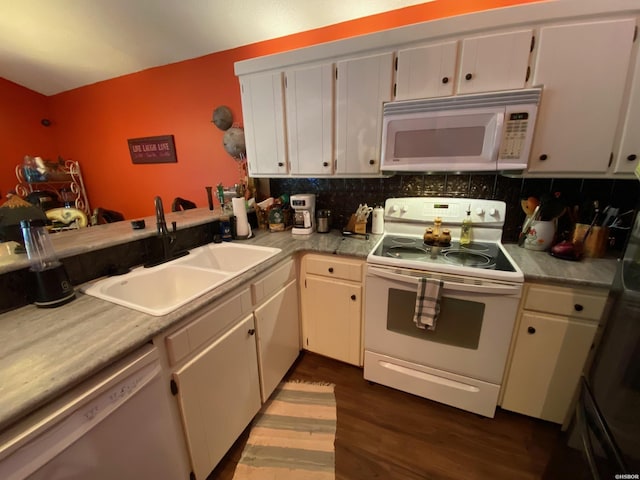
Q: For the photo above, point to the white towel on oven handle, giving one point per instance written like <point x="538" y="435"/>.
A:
<point x="427" y="303"/>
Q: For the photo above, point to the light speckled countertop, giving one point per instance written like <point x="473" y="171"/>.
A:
<point x="47" y="351"/>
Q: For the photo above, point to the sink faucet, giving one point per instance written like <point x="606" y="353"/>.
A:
<point x="161" y="223"/>
<point x="166" y="238"/>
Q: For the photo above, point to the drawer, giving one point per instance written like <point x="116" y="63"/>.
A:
<point x="208" y="326"/>
<point x="273" y="281"/>
<point x="585" y="303"/>
<point x="335" y="267"/>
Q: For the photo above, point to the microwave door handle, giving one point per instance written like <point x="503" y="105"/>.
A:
<point x="497" y="141"/>
<point x="489" y="289"/>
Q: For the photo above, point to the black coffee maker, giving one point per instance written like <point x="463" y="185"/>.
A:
<point x="49" y="283"/>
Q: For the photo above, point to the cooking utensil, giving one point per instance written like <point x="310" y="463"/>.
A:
<point x="362" y="214"/>
<point x="527" y="225"/>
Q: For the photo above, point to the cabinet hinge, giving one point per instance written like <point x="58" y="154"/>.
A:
<point x="336" y="73"/>
<point x="285" y="81"/>
<point x="610" y="160"/>
<point x="307" y="341"/>
<point x="305" y="283"/>
<point x="395" y="89"/>
<point x="526" y="79"/>
<point x="635" y="33"/>
<point x="396" y="64"/>
<point x="533" y="43"/>
<point x="174" y="387"/>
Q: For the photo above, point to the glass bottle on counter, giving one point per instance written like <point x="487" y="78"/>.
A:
<point x="465" y="230"/>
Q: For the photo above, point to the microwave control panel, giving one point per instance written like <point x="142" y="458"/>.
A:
<point x="515" y="134"/>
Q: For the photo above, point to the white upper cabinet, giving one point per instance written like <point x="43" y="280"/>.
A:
<point x="494" y="62"/>
<point x="627" y="150"/>
<point x="583" y="70"/>
<point x="424" y="72"/>
<point x="309" y="106"/>
<point x="363" y="84"/>
<point x="263" y="114"/>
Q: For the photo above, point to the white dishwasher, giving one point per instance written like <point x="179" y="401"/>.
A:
<point x="117" y="425"/>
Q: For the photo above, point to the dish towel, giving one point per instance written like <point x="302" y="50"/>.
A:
<point x="427" y="303"/>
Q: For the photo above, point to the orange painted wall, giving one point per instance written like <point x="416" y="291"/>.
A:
<point x="21" y="133"/>
<point x="92" y="123"/>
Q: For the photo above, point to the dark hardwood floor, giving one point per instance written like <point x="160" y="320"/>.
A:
<point x="386" y="434"/>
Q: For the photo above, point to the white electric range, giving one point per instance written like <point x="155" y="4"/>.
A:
<point x="462" y="361"/>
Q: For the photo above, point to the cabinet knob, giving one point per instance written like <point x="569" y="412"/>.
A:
<point x="280" y="164"/>
<point x="372" y="162"/>
<point x="468" y="76"/>
<point x="578" y="307"/>
<point x="543" y="157"/>
<point x="251" y="331"/>
<point x="353" y="297"/>
<point x="445" y="79"/>
<point x="531" y="330"/>
<point x="632" y="157"/>
<point x="330" y="269"/>
<point x="325" y="164"/>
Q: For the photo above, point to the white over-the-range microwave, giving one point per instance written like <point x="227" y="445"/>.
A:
<point x="475" y="132"/>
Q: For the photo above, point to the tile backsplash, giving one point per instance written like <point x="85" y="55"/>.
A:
<point x="343" y="196"/>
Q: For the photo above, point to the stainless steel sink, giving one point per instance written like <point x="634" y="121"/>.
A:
<point x="162" y="289"/>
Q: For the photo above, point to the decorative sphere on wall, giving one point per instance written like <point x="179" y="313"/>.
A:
<point x="222" y="118"/>
<point x="233" y="142"/>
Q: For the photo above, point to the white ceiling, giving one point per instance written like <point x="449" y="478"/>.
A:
<point x="51" y="46"/>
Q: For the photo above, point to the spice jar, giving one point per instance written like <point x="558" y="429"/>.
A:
<point x="445" y="238"/>
<point x="428" y="236"/>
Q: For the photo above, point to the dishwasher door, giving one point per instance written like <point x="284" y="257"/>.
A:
<point x="116" y="425"/>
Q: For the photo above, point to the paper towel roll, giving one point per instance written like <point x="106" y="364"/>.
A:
<point x="240" y="211"/>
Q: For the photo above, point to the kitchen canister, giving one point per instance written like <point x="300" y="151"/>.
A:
<point x="377" y="222"/>
<point x="323" y="221"/>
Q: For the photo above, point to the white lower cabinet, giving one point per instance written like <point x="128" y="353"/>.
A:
<point x="218" y="393"/>
<point x="555" y="330"/>
<point x="225" y="362"/>
<point x="278" y="330"/>
<point x="331" y="305"/>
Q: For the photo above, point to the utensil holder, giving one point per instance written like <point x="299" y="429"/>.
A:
<point x="595" y="244"/>
<point x="355" y="226"/>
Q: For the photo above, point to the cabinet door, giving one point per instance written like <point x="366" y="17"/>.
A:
<point x="583" y="69"/>
<point x="263" y="115"/>
<point x="628" y="148"/>
<point x="332" y="312"/>
<point x="219" y="394"/>
<point x="494" y="62"/>
<point x="278" y="330"/>
<point x="547" y="362"/>
<point x="424" y="72"/>
<point x="363" y="84"/>
<point x="309" y="103"/>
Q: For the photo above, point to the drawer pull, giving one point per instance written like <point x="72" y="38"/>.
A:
<point x="578" y="307"/>
<point x="251" y="331"/>
<point x="353" y="297"/>
<point x="330" y="269"/>
<point x="531" y="330"/>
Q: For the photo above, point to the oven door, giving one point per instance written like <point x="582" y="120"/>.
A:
<point x="473" y="330"/>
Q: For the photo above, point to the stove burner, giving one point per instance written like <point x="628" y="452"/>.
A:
<point x="467" y="258"/>
<point x="475" y="247"/>
<point x="402" y="241"/>
<point x="409" y="253"/>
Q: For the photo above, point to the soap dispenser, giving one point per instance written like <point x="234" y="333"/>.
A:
<point x="465" y="231"/>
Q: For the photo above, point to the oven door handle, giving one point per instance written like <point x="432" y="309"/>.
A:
<point x="452" y="286"/>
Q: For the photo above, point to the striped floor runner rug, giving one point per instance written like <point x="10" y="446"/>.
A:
<point x="293" y="435"/>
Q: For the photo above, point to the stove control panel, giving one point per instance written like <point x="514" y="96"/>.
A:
<point x="450" y="210"/>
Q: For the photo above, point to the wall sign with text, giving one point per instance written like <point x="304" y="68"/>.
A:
<point x="160" y="149"/>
